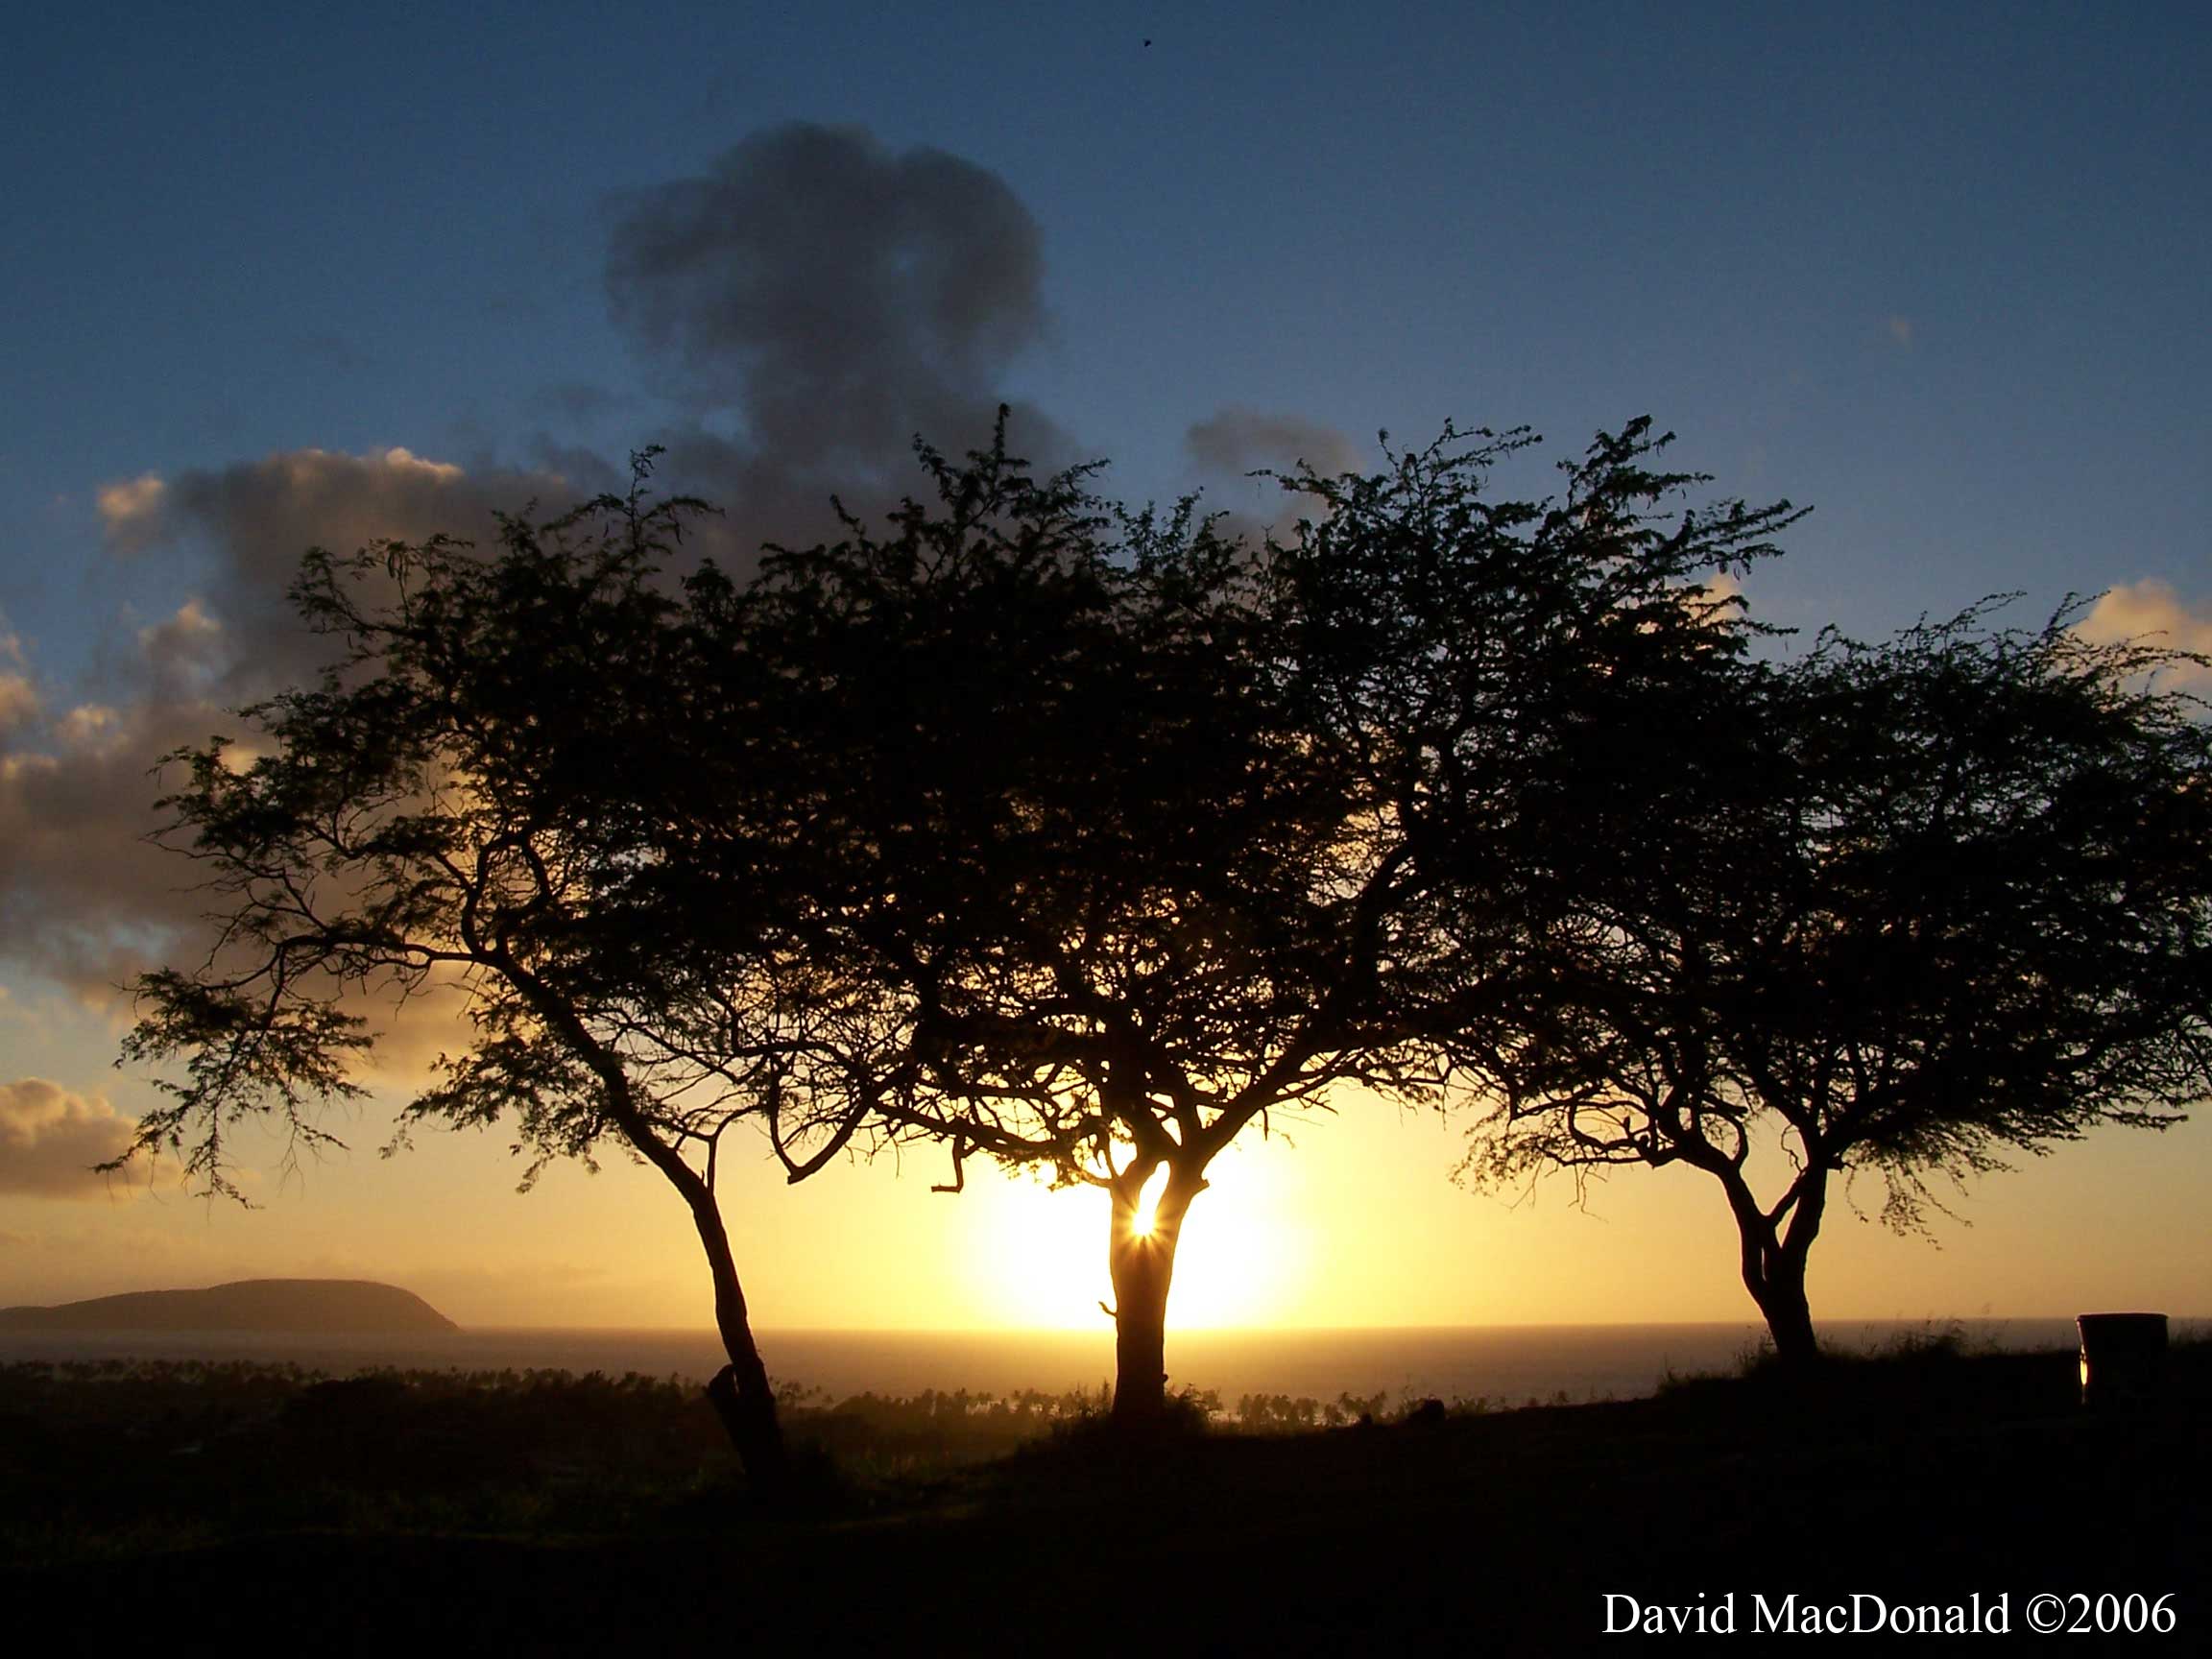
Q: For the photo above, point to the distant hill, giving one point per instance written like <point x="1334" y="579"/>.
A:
<point x="247" y="1305"/>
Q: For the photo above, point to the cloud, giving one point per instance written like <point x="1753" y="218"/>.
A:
<point x="131" y="512"/>
<point x="836" y="296"/>
<point x="18" y="702"/>
<point x="257" y="518"/>
<point x="1900" y="330"/>
<point x="49" y="1138"/>
<point x="83" y="897"/>
<point x="1234" y="439"/>
<point x="2153" y="612"/>
<point x="840" y="298"/>
<point x="1723" y="596"/>
<point x="185" y="652"/>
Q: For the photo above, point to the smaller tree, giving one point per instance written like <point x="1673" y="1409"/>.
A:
<point x="1894" y="908"/>
<point x="473" y="791"/>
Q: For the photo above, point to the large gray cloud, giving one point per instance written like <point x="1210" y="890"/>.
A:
<point x="1234" y="439"/>
<point x="817" y="299"/>
<point x="834" y="296"/>
<point x="254" y="519"/>
<point x="840" y="299"/>
<point x="830" y="289"/>
<point x="84" y="897"/>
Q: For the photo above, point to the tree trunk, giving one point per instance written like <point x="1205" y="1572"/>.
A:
<point x="740" y="1393"/>
<point x="1143" y="1267"/>
<point x="1774" y="1255"/>
<point x="747" y="1408"/>
<point x="1781" y="1298"/>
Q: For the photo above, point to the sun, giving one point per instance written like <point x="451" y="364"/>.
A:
<point x="1148" y="1204"/>
<point x="1039" y="1255"/>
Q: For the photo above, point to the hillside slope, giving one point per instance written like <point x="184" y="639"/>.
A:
<point x="245" y="1304"/>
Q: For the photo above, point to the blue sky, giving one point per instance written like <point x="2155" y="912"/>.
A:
<point x="1938" y="271"/>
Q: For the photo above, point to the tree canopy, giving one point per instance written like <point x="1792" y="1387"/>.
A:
<point x="1138" y="839"/>
<point x="463" y="799"/>
<point x="1896" y="907"/>
<point x="1090" y="839"/>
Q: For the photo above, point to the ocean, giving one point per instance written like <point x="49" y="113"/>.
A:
<point x="1502" y="1366"/>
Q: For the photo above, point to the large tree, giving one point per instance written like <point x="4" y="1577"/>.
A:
<point x="469" y="797"/>
<point x="1894" y="907"/>
<point x="1138" y="839"/>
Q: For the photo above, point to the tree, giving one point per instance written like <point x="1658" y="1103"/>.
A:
<point x="468" y="794"/>
<point x="1894" y="908"/>
<point x="1051" y="859"/>
<point x="1139" y="839"/>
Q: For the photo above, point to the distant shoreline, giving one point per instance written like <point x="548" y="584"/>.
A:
<point x="1505" y="1365"/>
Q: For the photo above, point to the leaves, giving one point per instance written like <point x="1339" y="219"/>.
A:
<point x="1909" y="903"/>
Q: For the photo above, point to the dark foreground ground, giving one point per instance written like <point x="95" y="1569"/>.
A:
<point x="181" y="1508"/>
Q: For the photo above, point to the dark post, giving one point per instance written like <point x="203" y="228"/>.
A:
<point x="2123" y="1357"/>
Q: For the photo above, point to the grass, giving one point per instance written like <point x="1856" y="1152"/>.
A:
<point x="535" y="1511"/>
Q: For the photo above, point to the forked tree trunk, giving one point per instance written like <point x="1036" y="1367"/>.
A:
<point x="1773" y="1265"/>
<point x="1143" y="1269"/>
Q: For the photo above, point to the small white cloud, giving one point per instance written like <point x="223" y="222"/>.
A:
<point x="190" y="622"/>
<point x="89" y="727"/>
<point x="1723" y="595"/>
<point x="18" y="702"/>
<point x="132" y="511"/>
<point x="2152" y="612"/>
<point x="398" y="457"/>
<point x="184" y="650"/>
<point x="1900" y="330"/>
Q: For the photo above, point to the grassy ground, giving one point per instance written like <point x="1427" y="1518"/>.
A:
<point x="249" y="1508"/>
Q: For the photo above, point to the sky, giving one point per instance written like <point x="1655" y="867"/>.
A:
<point x="279" y="277"/>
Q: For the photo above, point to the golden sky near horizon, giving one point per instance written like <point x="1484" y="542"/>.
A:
<point x="1356" y="1224"/>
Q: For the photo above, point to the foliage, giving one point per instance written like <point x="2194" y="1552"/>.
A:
<point x="1068" y="835"/>
<point x="1132" y="839"/>
<point x="463" y="800"/>
<point x="1901" y="906"/>
<point x="436" y="809"/>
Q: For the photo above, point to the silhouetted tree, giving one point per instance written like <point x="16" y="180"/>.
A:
<point x="471" y="796"/>
<point x="1054" y="856"/>
<point x="1140" y="838"/>
<point x="1892" y="907"/>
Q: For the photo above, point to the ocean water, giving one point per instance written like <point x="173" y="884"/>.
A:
<point x="1506" y="1365"/>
